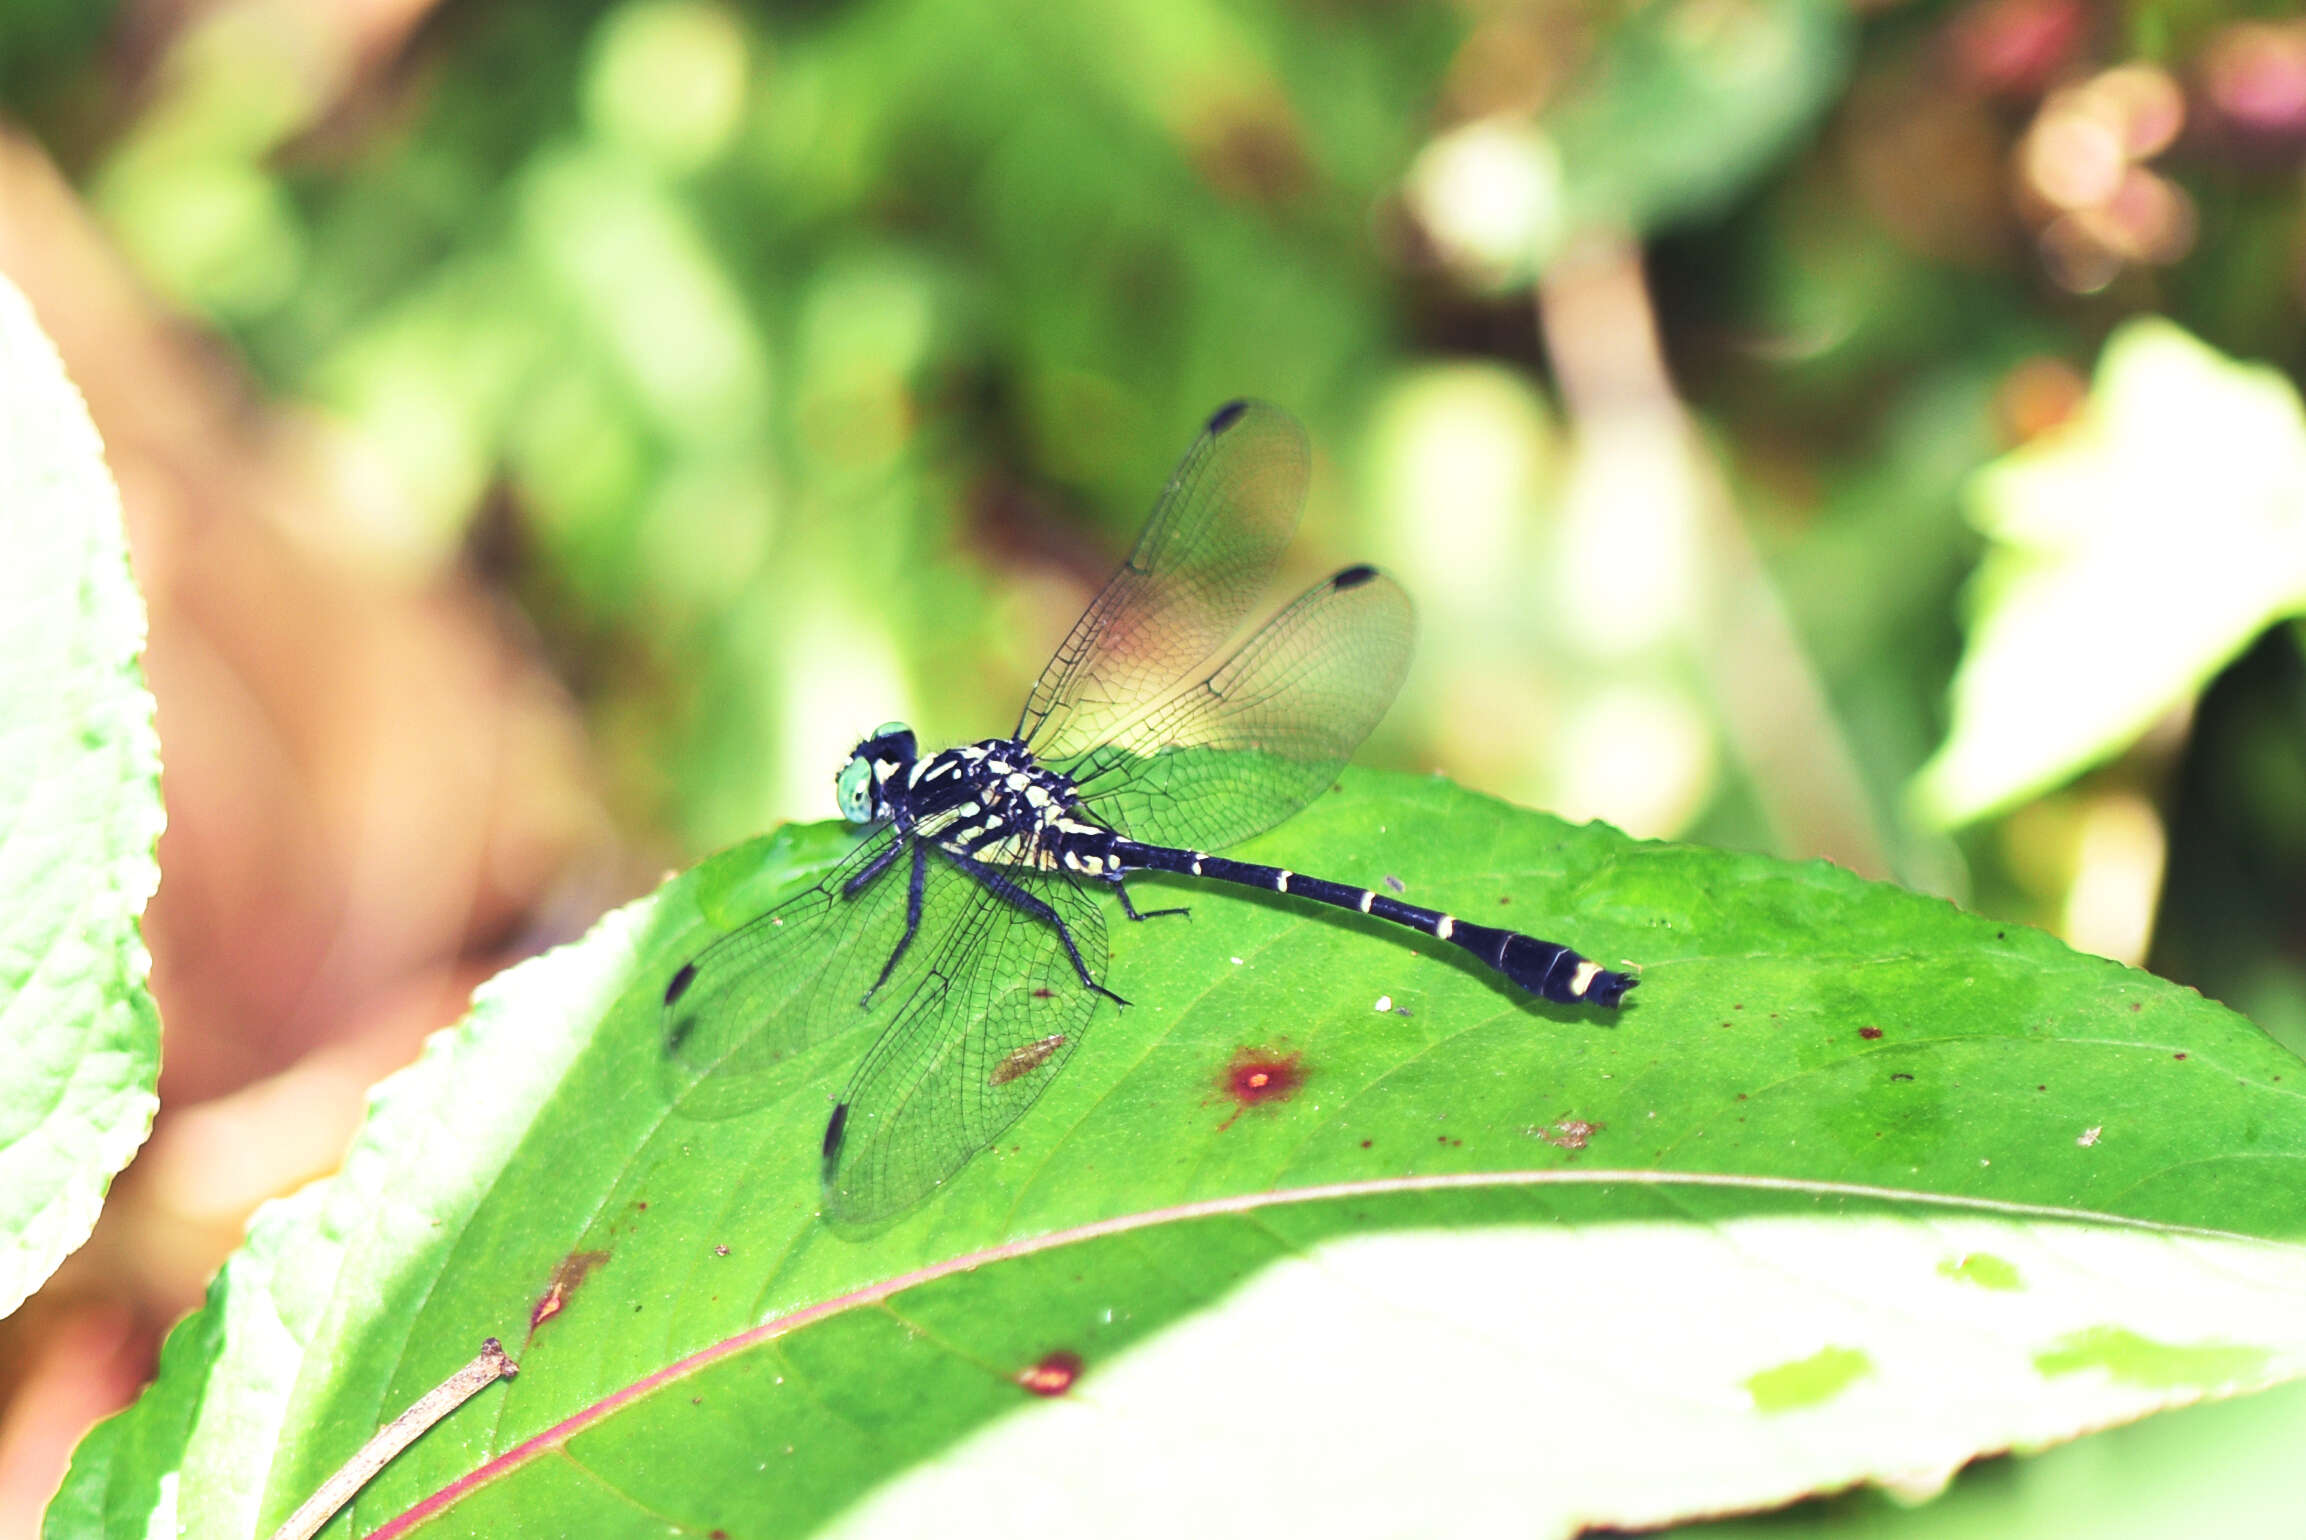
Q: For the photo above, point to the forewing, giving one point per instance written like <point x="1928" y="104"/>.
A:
<point x="997" y="1015"/>
<point x="1206" y="554"/>
<point x="1267" y="732"/>
<point x="785" y="981"/>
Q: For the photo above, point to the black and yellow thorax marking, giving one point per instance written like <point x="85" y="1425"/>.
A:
<point x="989" y="801"/>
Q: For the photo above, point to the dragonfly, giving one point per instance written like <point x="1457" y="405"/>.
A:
<point x="964" y="925"/>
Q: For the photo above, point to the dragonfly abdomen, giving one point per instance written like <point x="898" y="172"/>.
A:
<point x="1543" y="968"/>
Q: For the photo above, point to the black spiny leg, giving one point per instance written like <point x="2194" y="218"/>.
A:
<point x="1121" y="888"/>
<point x="1008" y="892"/>
<point x="919" y="883"/>
<point x="873" y="869"/>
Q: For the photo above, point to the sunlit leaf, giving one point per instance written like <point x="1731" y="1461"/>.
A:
<point x="2135" y="552"/>
<point x="80" y="804"/>
<point x="1856" y="1187"/>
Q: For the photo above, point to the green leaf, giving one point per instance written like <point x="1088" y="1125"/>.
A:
<point x="1855" y="1188"/>
<point x="2220" y="1465"/>
<point x="2135" y="553"/>
<point x="80" y="804"/>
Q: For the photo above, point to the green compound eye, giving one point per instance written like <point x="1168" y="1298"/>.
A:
<point x="890" y="729"/>
<point x="854" y="789"/>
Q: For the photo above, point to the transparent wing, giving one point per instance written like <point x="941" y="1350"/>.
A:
<point x="787" y="980"/>
<point x="998" y="1012"/>
<point x="1266" y="733"/>
<point x="1205" y="555"/>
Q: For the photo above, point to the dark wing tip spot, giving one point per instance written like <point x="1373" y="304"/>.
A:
<point x="833" y="1134"/>
<point x="1227" y="415"/>
<point x="680" y="982"/>
<point x="1353" y="577"/>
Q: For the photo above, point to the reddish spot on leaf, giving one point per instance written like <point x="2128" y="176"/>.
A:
<point x="1869" y="1033"/>
<point x="2177" y="1056"/>
<point x="566" y="1278"/>
<point x="1053" y="1375"/>
<point x="1257" y="1076"/>
<point x="1043" y="994"/>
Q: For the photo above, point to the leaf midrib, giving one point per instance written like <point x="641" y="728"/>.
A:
<point x="551" y="1440"/>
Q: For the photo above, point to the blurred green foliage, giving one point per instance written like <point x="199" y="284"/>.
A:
<point x="800" y="367"/>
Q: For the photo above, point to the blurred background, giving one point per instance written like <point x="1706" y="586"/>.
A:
<point x="553" y="431"/>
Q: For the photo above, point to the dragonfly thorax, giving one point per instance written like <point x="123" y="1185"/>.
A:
<point x="990" y="801"/>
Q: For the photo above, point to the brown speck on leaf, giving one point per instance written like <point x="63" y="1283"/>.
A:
<point x="1869" y="1033"/>
<point x="2179" y="1055"/>
<point x="567" y="1277"/>
<point x="1053" y="1375"/>
<point x="1044" y="994"/>
<point x="1020" y="1062"/>
<point x="2137" y="1005"/>
<point x="1365" y="1144"/>
<point x="1570" y="1133"/>
<point x="1901" y="1075"/>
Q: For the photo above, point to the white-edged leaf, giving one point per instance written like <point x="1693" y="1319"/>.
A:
<point x="79" y="816"/>
<point x="2135" y="552"/>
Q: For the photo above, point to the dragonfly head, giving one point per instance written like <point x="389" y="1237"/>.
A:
<point x="890" y="751"/>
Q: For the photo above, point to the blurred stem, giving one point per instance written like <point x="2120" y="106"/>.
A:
<point x="1600" y="328"/>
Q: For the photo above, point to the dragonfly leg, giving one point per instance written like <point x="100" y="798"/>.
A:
<point x="873" y="869"/>
<point x="1008" y="892"/>
<point x="1121" y="887"/>
<point x="918" y="884"/>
